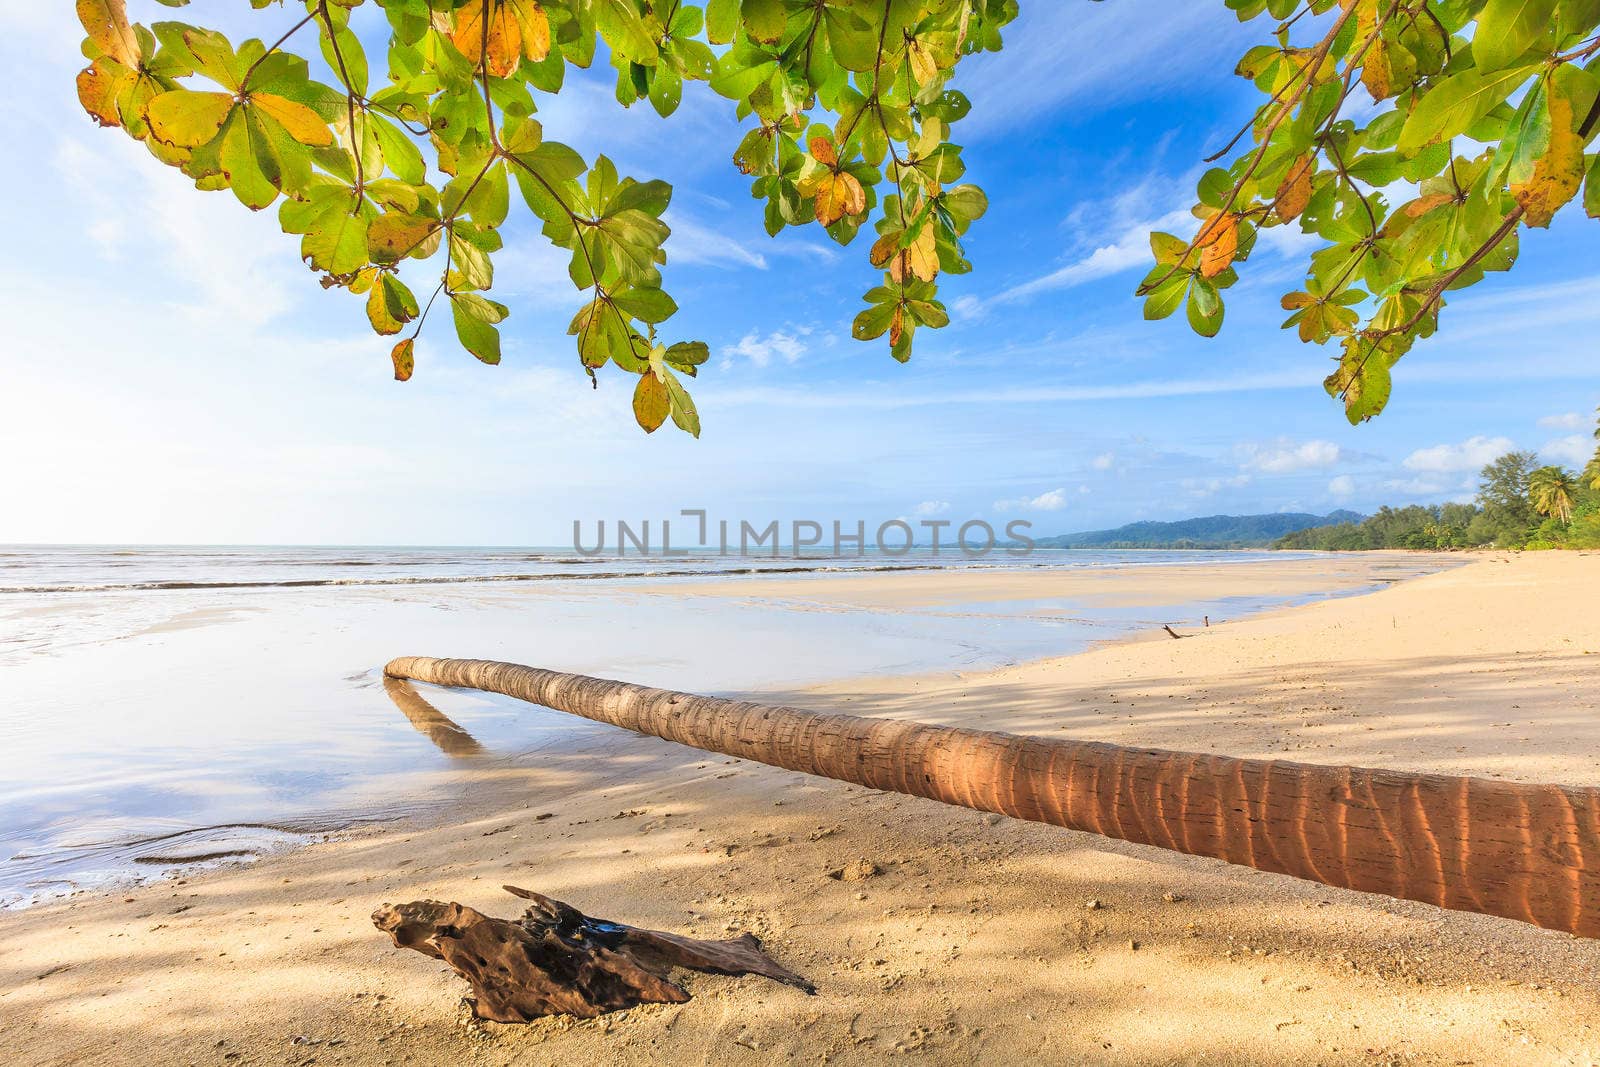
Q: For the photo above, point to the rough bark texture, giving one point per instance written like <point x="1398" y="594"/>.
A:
<point x="557" y="960"/>
<point x="1528" y="852"/>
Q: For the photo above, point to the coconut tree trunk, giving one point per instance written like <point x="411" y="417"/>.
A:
<point x="1528" y="852"/>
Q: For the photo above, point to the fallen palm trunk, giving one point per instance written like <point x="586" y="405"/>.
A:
<point x="1528" y="852"/>
<point x="557" y="960"/>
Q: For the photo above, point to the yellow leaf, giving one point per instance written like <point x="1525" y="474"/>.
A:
<point x="883" y="248"/>
<point x="1558" y="174"/>
<point x="923" y="67"/>
<point x="822" y="151"/>
<point x="535" y="28"/>
<point x="395" y="234"/>
<point x="106" y="22"/>
<point x="188" y="118"/>
<point x="897" y="325"/>
<point x="1424" y="204"/>
<point x="651" y="403"/>
<point x="839" y="195"/>
<point x="302" y="123"/>
<point x="1295" y="192"/>
<point x="378" y="313"/>
<point x="1219" y="240"/>
<point x="923" y="255"/>
<point x="99" y="84"/>
<point x="404" y="357"/>
<point x="487" y="32"/>
<point x="1291" y="301"/>
<point x="1375" y="72"/>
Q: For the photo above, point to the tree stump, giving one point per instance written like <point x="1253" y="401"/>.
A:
<point x="557" y="960"/>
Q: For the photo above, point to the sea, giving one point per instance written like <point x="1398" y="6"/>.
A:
<point x="164" y="709"/>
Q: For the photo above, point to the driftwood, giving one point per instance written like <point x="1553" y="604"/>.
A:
<point x="1175" y="634"/>
<point x="556" y="960"/>
<point x="1519" y="850"/>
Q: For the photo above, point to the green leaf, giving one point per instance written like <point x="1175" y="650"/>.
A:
<point x="475" y="328"/>
<point x="242" y="165"/>
<point x="1166" y="297"/>
<point x="400" y="153"/>
<point x="722" y="20"/>
<point x="623" y="28"/>
<point x="764" y="20"/>
<point x="687" y="355"/>
<point x="853" y="39"/>
<point x="1457" y="102"/>
<point x="1507" y="29"/>
<point x="666" y="89"/>
<point x="1204" y="308"/>
<point x="646" y="305"/>
<point x="335" y="238"/>
<point x="684" y="415"/>
<point x="736" y="81"/>
<point x="873" y="322"/>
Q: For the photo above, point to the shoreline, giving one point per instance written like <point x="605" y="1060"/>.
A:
<point x="313" y="747"/>
<point x="653" y="834"/>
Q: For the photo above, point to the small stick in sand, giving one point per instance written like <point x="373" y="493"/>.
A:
<point x="1175" y="634"/>
<point x="556" y="960"/>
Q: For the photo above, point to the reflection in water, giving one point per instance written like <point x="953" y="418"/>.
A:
<point x="438" y="727"/>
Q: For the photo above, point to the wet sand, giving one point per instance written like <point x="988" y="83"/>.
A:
<point x="981" y="939"/>
<point x="149" y="725"/>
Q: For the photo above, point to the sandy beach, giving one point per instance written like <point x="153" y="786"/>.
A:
<point x="979" y="939"/>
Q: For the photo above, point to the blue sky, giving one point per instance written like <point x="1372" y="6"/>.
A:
<point x="172" y="373"/>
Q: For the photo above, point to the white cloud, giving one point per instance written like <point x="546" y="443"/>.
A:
<point x="786" y="345"/>
<point x="1574" y="449"/>
<point x="1470" y="455"/>
<point x="1204" y="487"/>
<point x="870" y="396"/>
<point x="1128" y="249"/>
<point x="1103" y="461"/>
<point x="1342" y="487"/>
<point x="931" y="507"/>
<point x="227" y="265"/>
<point x="534" y="272"/>
<point x="1571" y="420"/>
<point x="1284" y="456"/>
<point x="1054" y="500"/>
<point x="966" y="307"/>
<point x="1434" y="485"/>
<point x="695" y="242"/>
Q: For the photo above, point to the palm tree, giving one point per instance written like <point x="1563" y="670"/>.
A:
<point x="1550" y="491"/>
<point x="1591" y="473"/>
<point x="1515" y="849"/>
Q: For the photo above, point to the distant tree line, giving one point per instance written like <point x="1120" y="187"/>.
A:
<point x="1519" y="505"/>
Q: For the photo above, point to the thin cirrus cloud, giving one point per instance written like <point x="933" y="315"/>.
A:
<point x="1063" y="54"/>
<point x="867" y="397"/>
<point x="1130" y="248"/>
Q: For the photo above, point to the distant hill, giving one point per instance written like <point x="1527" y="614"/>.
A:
<point x="1212" y="531"/>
